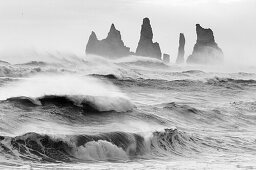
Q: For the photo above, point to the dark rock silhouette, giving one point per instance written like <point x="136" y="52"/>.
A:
<point x="166" y="58"/>
<point x="206" y="50"/>
<point x="181" y="51"/>
<point x="146" y="47"/>
<point x="92" y="44"/>
<point x="112" y="46"/>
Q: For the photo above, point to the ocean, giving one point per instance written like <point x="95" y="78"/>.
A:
<point x="130" y="113"/>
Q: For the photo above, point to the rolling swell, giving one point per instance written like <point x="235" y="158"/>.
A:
<point x="219" y="82"/>
<point x="215" y="82"/>
<point x="93" y="104"/>
<point x="102" y="147"/>
<point x="231" y="83"/>
<point x="158" y="84"/>
<point x="193" y="72"/>
<point x="191" y="113"/>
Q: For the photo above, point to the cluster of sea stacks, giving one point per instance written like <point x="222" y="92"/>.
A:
<point x="113" y="46"/>
<point x="206" y="50"/>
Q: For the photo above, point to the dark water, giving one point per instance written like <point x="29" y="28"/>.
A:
<point x="126" y="114"/>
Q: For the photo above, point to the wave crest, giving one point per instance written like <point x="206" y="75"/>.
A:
<point x="87" y="103"/>
<point x="100" y="150"/>
<point x="67" y="90"/>
<point x="102" y="147"/>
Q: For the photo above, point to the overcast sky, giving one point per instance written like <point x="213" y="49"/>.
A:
<point x="67" y="24"/>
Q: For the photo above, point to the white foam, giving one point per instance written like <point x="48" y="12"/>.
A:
<point x="103" y="95"/>
<point x="100" y="150"/>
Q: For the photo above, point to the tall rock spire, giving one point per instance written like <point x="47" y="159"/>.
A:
<point x="114" y="35"/>
<point x="146" y="47"/>
<point x="206" y="50"/>
<point x="92" y="43"/>
<point x="181" y="51"/>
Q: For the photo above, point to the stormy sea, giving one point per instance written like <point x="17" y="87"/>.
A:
<point x="134" y="112"/>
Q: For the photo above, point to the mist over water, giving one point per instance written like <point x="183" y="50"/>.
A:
<point x="135" y="111"/>
<point x="63" y="109"/>
<point x="65" y="84"/>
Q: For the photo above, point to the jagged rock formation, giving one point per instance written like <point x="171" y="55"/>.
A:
<point x="146" y="47"/>
<point x="206" y="50"/>
<point x="112" y="46"/>
<point x="166" y="58"/>
<point x="181" y="51"/>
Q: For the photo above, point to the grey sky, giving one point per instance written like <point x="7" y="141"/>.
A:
<point x="67" y="24"/>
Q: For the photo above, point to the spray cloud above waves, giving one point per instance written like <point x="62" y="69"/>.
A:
<point x="129" y="84"/>
<point x="33" y="29"/>
<point x="102" y="96"/>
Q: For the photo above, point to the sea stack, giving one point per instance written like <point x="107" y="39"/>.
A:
<point x="206" y="50"/>
<point x="92" y="44"/>
<point x="111" y="47"/>
<point x="146" y="47"/>
<point x="181" y="51"/>
<point x="166" y="58"/>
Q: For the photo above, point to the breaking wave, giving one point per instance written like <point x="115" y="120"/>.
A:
<point x="89" y="104"/>
<point x="113" y="146"/>
<point x="67" y="90"/>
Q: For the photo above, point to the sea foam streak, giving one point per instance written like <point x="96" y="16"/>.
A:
<point x="79" y="90"/>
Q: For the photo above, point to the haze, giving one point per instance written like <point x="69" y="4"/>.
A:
<point x="65" y="25"/>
